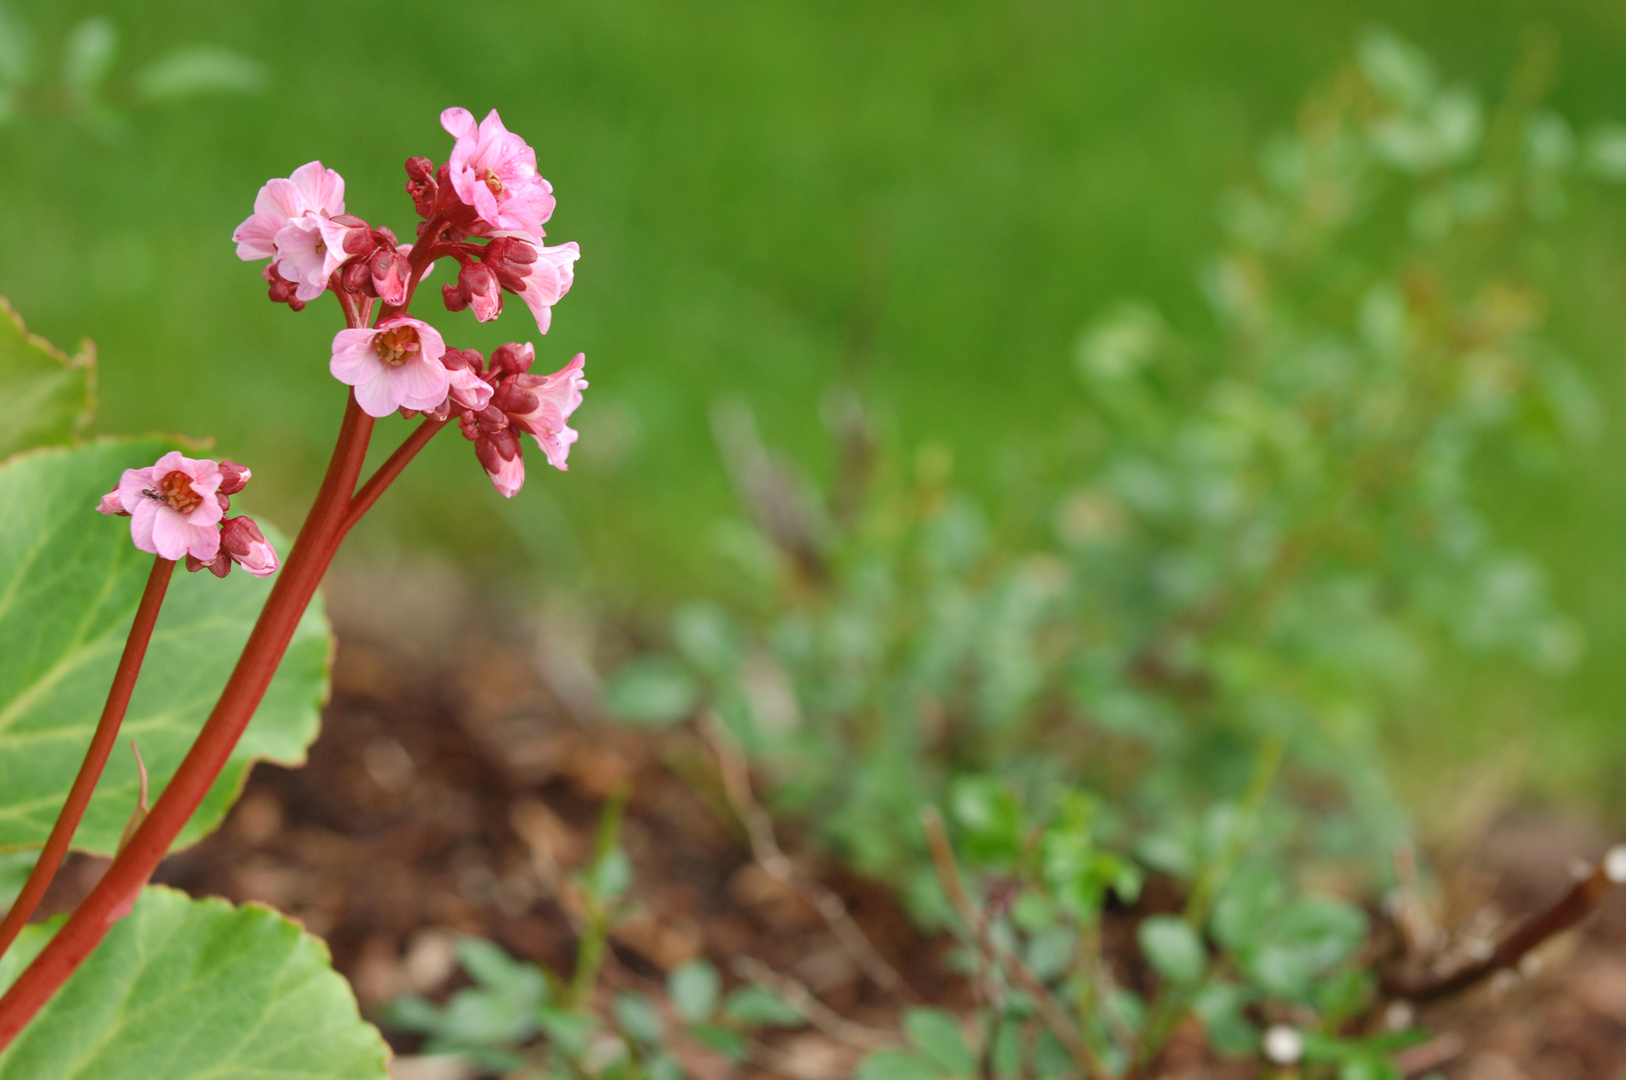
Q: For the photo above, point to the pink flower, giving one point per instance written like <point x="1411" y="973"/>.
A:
<point x="469" y="389"/>
<point x="173" y="506"/>
<point x="540" y="404"/>
<point x="241" y="539"/>
<point x="550" y="278"/>
<point x="494" y="172"/>
<point x="311" y="189"/>
<point x="393" y="366"/>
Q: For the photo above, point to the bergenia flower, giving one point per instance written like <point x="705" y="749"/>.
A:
<point x="395" y="365"/>
<point x="494" y="172"/>
<point x="540" y="404"/>
<point x="173" y="506"/>
<point x="312" y="189"/>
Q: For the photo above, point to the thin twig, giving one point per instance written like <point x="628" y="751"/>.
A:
<point x="820" y="1015"/>
<point x="1050" y="1010"/>
<point x="1426" y="1057"/>
<point x="777" y="865"/>
<point x="1580" y="901"/>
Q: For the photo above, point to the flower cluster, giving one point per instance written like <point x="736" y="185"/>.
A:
<point x="484" y="208"/>
<point x="177" y="508"/>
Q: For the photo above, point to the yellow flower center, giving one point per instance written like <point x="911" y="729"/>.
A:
<point x="175" y="490"/>
<point x="397" y="345"/>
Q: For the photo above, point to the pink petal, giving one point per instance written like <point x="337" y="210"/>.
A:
<point x="171" y="535"/>
<point x="459" y="124"/>
<point x="143" y="518"/>
<point x="322" y="188"/>
<point x="421" y="384"/>
<point x="377" y="395"/>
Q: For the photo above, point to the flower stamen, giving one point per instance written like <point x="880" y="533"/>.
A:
<point x="175" y="490"/>
<point x="397" y="345"/>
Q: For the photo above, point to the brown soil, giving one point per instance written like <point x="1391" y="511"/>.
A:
<point x="452" y="791"/>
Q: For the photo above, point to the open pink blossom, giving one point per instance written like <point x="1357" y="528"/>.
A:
<point x="541" y="405"/>
<point x="550" y="278"/>
<point x="494" y="172"/>
<point x="393" y="366"/>
<point x="311" y="189"/>
<point x="173" y="506"/>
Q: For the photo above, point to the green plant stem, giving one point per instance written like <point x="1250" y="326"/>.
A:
<point x="1021" y="976"/>
<point x="590" y="952"/>
<point x="96" y="755"/>
<point x="1171" y="1003"/>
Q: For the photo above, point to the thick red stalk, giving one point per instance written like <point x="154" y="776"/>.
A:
<point x="101" y="745"/>
<point x="114" y="894"/>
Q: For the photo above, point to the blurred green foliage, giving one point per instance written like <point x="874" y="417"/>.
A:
<point x="922" y="203"/>
<point x="1193" y="639"/>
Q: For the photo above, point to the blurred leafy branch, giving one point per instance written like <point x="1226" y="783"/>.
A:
<point x="82" y="85"/>
<point x="1165" y="659"/>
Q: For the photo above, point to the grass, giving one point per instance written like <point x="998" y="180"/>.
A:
<point x="925" y="202"/>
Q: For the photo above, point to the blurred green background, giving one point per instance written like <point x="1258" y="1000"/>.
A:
<point x="923" y="202"/>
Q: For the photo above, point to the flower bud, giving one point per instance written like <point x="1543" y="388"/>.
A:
<point x="500" y="456"/>
<point x="233" y="477"/>
<point x="510" y="258"/>
<point x="111" y="504"/>
<point x="421" y="185"/>
<point x="219" y="566"/>
<point x="390" y="270"/>
<point x="242" y="540"/>
<point x="479" y="284"/>
<point x="455" y="300"/>
<point x="355" y="277"/>
<point x="512" y="359"/>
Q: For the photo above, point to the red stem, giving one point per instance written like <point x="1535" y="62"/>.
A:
<point x="101" y="745"/>
<point x="116" y="892"/>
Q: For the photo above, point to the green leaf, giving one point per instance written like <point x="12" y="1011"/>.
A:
<point x="45" y="395"/>
<point x="1173" y="948"/>
<point x="197" y="70"/>
<point x="1220" y="1007"/>
<point x="655" y="691"/>
<point x="720" y="1039"/>
<point x="496" y="970"/>
<point x="87" y="54"/>
<point x="638" y="1020"/>
<point x="1311" y="936"/>
<point x="694" y="989"/>
<point x="1248" y="904"/>
<point x="610" y="876"/>
<point x="938" y="1036"/>
<point x="185" y="989"/>
<point x="896" y="1065"/>
<point x="70" y="580"/>
<point x="756" y="1006"/>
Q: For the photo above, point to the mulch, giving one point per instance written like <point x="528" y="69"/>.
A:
<point x="458" y="781"/>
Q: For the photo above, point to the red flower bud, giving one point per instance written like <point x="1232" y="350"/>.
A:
<point x="219" y="566"/>
<point x="390" y="270"/>
<point x="477" y="282"/>
<point x="455" y="300"/>
<point x="421" y="185"/>
<point x="355" y="277"/>
<point x="512" y="359"/>
<point x="233" y="477"/>
<point x="247" y="546"/>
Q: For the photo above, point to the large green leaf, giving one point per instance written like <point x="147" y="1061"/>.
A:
<point x="69" y="583"/>
<point x="185" y="989"/>
<point x="45" y="395"/>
